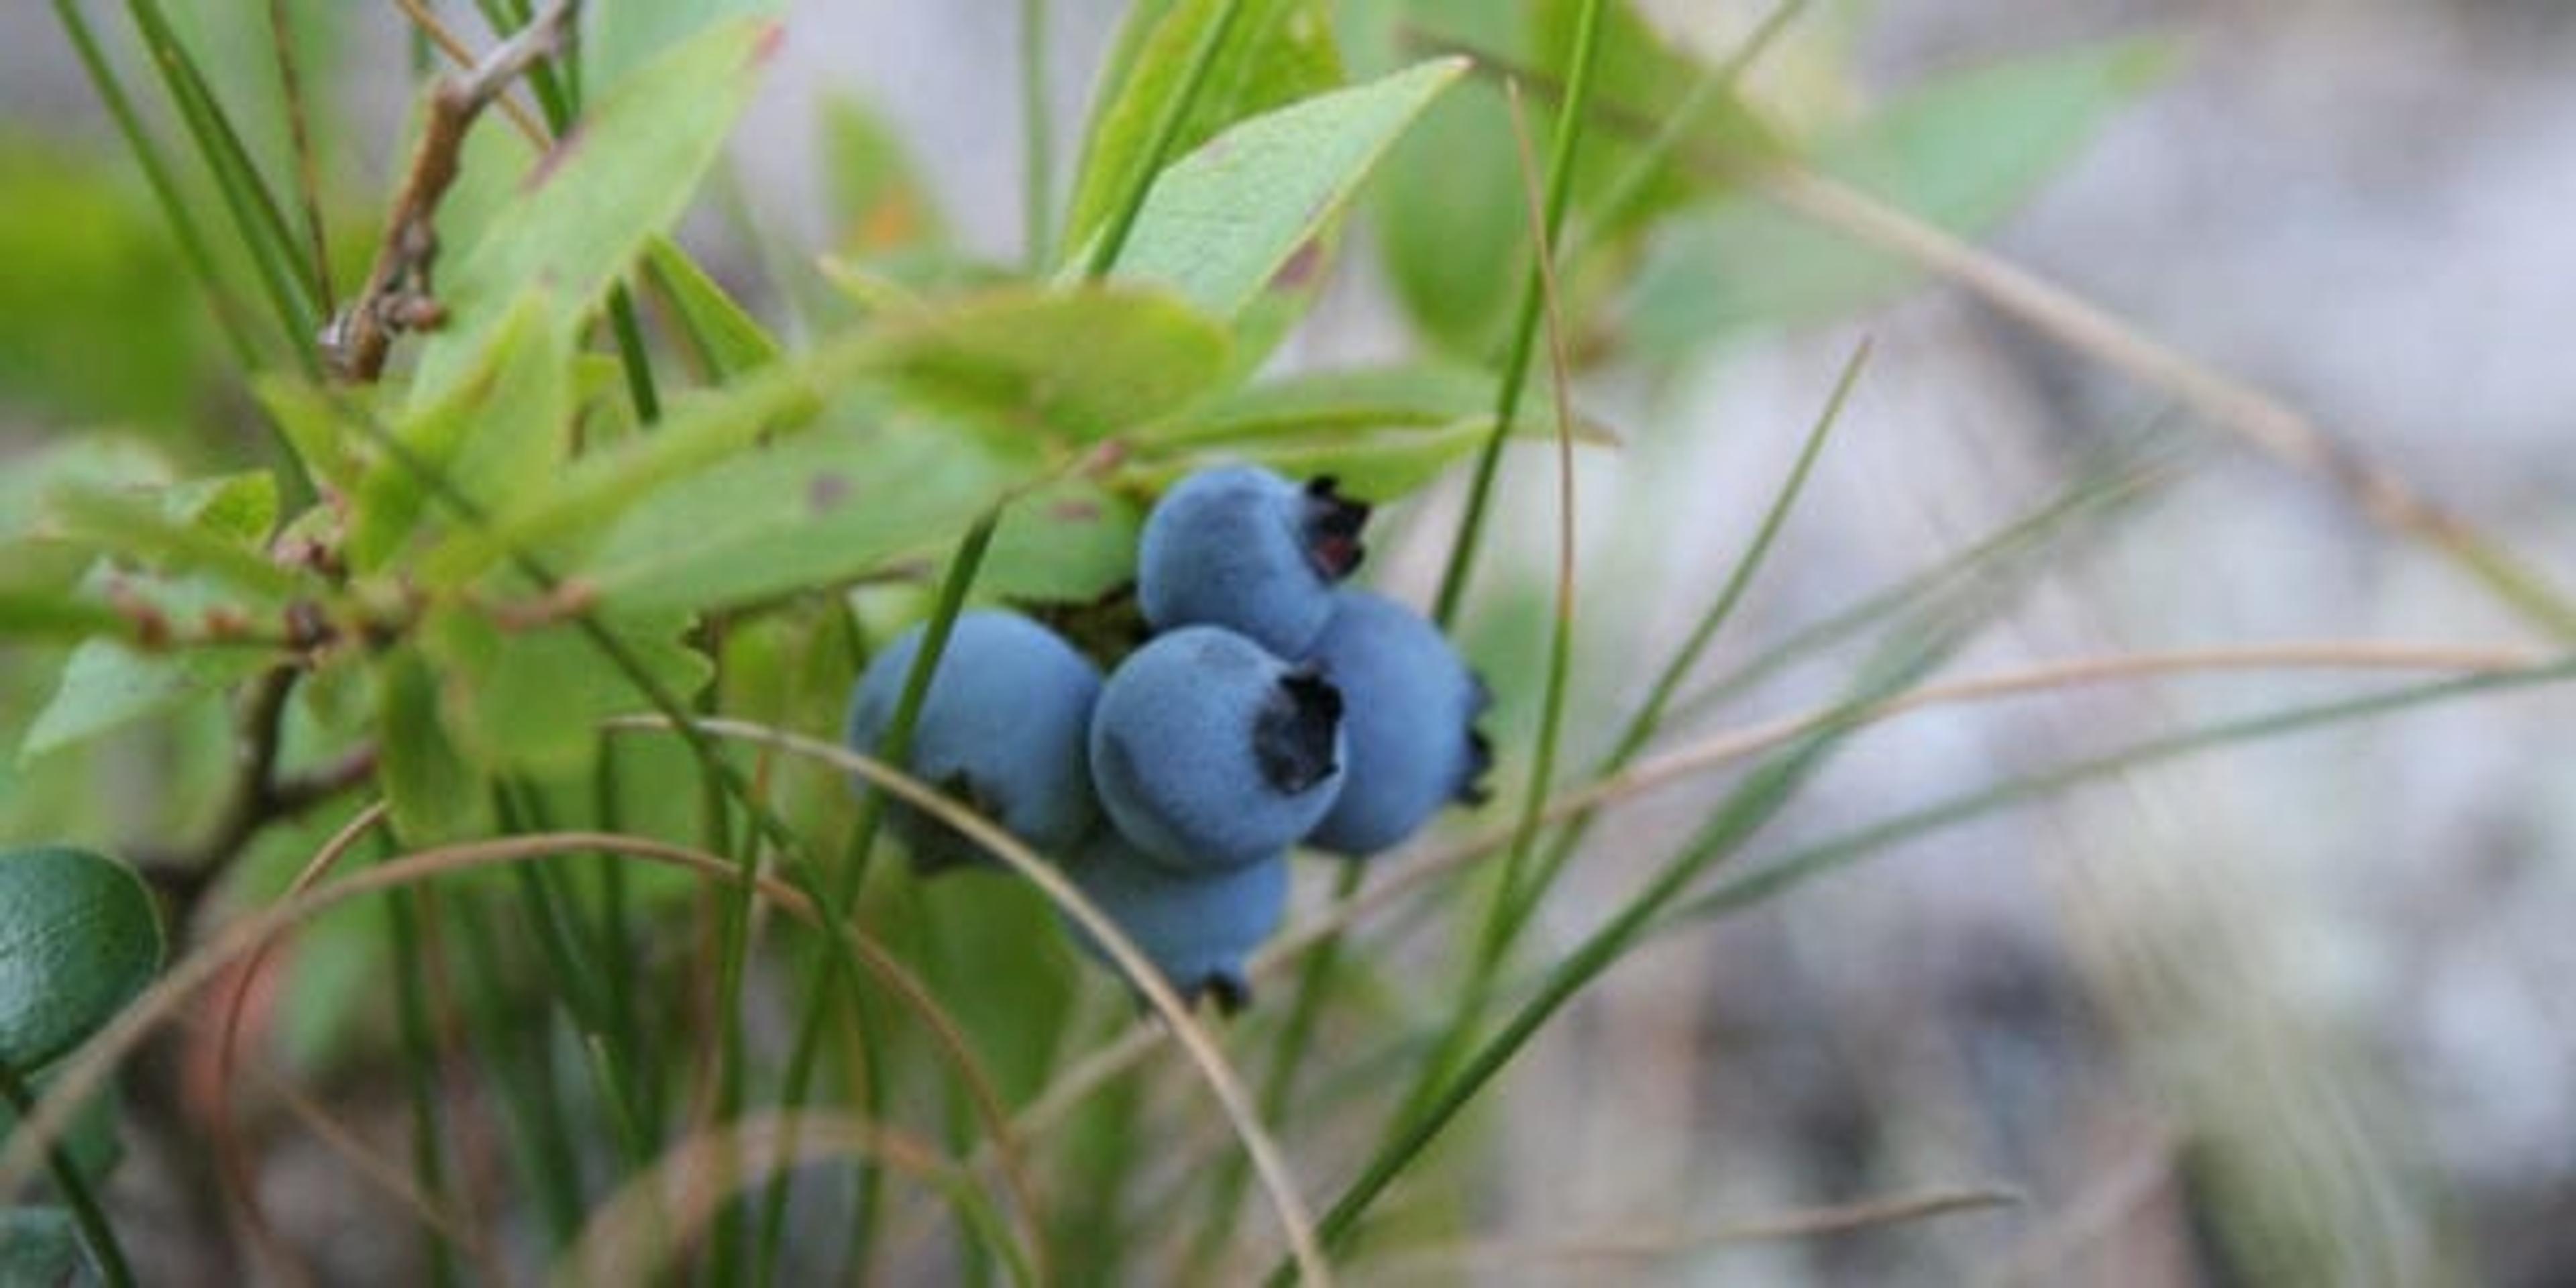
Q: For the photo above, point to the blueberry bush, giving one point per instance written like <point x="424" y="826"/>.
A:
<point x="512" y="620"/>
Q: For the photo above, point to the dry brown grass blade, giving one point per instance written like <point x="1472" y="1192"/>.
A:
<point x="1412" y="871"/>
<point x="1268" y="1161"/>
<point x="1523" y="1255"/>
<point x="628" y="1235"/>
<point x="2268" y="423"/>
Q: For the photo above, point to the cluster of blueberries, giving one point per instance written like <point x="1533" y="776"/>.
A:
<point x="1271" y="708"/>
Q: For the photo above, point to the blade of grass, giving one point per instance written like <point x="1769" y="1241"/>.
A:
<point x="990" y="838"/>
<point x="230" y="317"/>
<point x="1512" y="886"/>
<point x="1833" y="854"/>
<point x="962" y="570"/>
<point x="895" y="748"/>
<point x="1516" y="361"/>
<point x="1167" y="131"/>
<point x="299" y="133"/>
<point x="85" y="1071"/>
<point x="2095" y="497"/>
<point x="91" y="1220"/>
<point x="1761" y="796"/>
<point x="253" y="208"/>
<point x="2270" y="425"/>
<point x="1717" y="78"/>
<point x="1418" y="874"/>
<point x="2262" y="420"/>
<point x="523" y="1069"/>
<point x="1649" y="716"/>
<point x="420" y="1078"/>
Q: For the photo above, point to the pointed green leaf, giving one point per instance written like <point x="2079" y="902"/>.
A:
<point x="107" y="685"/>
<point x="434" y="794"/>
<point x="1222" y="223"/>
<point x="498" y="433"/>
<point x="624" y="173"/>
<point x="817" y="510"/>
<point x="79" y="937"/>
<point x="1407" y="395"/>
<point x="1079" y="364"/>
<point x="530" y="701"/>
<point x="1070" y="542"/>
<point x="734" y="343"/>
<point x="1278" y="51"/>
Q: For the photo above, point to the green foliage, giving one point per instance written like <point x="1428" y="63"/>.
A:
<point x="623" y="478"/>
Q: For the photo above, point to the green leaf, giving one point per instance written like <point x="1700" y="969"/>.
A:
<point x="529" y="702"/>
<point x="1278" y="51"/>
<point x="619" y="37"/>
<point x="315" y="423"/>
<point x="78" y="939"/>
<point x="1070" y="542"/>
<point x="1220" y="224"/>
<point x="1082" y="364"/>
<point x="1960" y="154"/>
<point x="697" y="430"/>
<point x="40" y="1247"/>
<point x="734" y="342"/>
<point x="107" y="685"/>
<point x="217" y="527"/>
<point x="817" y="510"/>
<point x="94" y="462"/>
<point x="434" y="794"/>
<point x="1373" y="467"/>
<point x="1405" y="395"/>
<point x="90" y="1141"/>
<point x="873" y="191"/>
<point x="624" y="173"/>
<point x="499" y="432"/>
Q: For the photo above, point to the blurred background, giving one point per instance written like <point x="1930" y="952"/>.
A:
<point x="2294" y="1012"/>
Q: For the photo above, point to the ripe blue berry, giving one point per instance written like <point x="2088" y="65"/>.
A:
<point x="1196" y="927"/>
<point x="1003" y="727"/>
<point x="1210" y="753"/>
<point x="1411" y="705"/>
<point x="1240" y="547"/>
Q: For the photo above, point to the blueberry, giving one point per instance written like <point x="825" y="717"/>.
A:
<point x="1240" y="547"/>
<point x="1411" y="706"/>
<point x="1196" y="927"/>
<point x="1002" y="728"/>
<point x="1209" y="753"/>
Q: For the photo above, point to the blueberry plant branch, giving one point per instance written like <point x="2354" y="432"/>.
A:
<point x="257" y="795"/>
<point x="398" y="295"/>
<point x="1516" y="360"/>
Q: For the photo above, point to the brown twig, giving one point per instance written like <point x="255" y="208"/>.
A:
<point x="398" y="295"/>
<point x="257" y="797"/>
